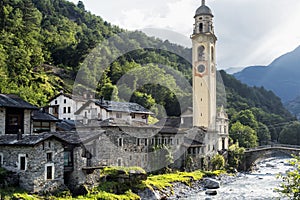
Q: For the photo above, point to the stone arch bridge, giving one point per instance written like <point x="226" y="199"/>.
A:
<point x="254" y="154"/>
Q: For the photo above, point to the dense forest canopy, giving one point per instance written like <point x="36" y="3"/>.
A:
<point x="45" y="44"/>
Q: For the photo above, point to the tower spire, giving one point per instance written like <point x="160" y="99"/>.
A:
<point x="203" y="2"/>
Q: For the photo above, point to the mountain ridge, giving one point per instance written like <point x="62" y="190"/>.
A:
<point x="281" y="76"/>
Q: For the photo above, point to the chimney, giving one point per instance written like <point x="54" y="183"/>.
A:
<point x="101" y="99"/>
<point x="19" y="135"/>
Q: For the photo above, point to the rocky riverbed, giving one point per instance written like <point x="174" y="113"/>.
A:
<point x="259" y="184"/>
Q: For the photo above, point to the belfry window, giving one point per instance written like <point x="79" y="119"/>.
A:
<point x="201" y="55"/>
<point x="212" y="54"/>
<point x="201" y="27"/>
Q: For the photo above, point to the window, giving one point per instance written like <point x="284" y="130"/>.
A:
<point x="49" y="144"/>
<point x="49" y="171"/>
<point x="120" y="142"/>
<point x="14" y="120"/>
<point x="55" y="102"/>
<point x="201" y="56"/>
<point x="22" y="162"/>
<point x="69" y="109"/>
<point x="55" y="110"/>
<point x="212" y="54"/>
<point x="118" y="115"/>
<point x="201" y="27"/>
<point x="138" y="141"/>
<point x="132" y="115"/>
<point x="39" y="127"/>
<point x="146" y="142"/>
<point x="49" y="157"/>
<point x="1" y="159"/>
<point x="65" y="100"/>
<point x="68" y="159"/>
<point x="65" y="110"/>
<point x="119" y="162"/>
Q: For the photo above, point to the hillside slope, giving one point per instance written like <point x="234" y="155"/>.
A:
<point x="281" y="76"/>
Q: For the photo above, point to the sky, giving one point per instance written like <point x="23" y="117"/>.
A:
<point x="250" y="32"/>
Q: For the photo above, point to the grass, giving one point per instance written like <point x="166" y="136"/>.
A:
<point x="106" y="190"/>
<point x="114" y="170"/>
<point x="165" y="180"/>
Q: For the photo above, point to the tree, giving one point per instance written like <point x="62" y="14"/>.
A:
<point x="245" y="135"/>
<point x="263" y="134"/>
<point x="290" y="134"/>
<point x="235" y="154"/>
<point x="290" y="187"/>
<point x="218" y="162"/>
<point x="247" y="118"/>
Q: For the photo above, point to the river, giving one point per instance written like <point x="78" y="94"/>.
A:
<point x="258" y="185"/>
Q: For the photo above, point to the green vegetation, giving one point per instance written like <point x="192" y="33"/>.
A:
<point x="165" y="180"/>
<point x="254" y="112"/>
<point x="290" y="186"/>
<point x="235" y="155"/>
<point x="126" y="170"/>
<point x="218" y="162"/>
<point x="107" y="189"/>
<point x="290" y="134"/>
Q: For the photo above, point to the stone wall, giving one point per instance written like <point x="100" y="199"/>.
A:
<point x="77" y="177"/>
<point x="33" y="179"/>
<point x="2" y="120"/>
<point x="129" y="146"/>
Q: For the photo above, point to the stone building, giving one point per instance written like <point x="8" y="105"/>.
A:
<point x="15" y="115"/>
<point x="63" y="106"/>
<point x="46" y="162"/>
<point x="128" y="113"/>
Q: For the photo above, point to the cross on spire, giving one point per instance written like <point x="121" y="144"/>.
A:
<point x="203" y="2"/>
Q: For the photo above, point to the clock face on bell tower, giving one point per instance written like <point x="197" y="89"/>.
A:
<point x="204" y="76"/>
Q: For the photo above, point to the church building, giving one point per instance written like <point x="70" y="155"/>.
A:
<point x="204" y="80"/>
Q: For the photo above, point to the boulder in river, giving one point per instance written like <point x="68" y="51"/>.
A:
<point x="211" y="192"/>
<point x="210" y="183"/>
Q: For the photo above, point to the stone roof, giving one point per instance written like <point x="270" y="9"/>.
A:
<point x="39" y="115"/>
<point x="113" y="106"/>
<point x="14" y="101"/>
<point x="66" y="125"/>
<point x="73" y="138"/>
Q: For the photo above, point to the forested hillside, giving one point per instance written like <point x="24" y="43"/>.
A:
<point x="254" y="110"/>
<point x="44" y="43"/>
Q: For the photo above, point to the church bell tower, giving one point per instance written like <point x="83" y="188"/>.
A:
<point x="204" y="69"/>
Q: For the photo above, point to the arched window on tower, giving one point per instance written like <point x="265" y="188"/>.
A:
<point x="201" y="55"/>
<point x="201" y="27"/>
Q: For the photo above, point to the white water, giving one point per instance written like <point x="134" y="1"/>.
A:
<point x="258" y="185"/>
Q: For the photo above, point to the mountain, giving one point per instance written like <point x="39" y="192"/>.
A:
<point x="234" y="70"/>
<point x="281" y="76"/>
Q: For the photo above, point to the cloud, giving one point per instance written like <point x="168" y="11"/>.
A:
<point x="250" y="32"/>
